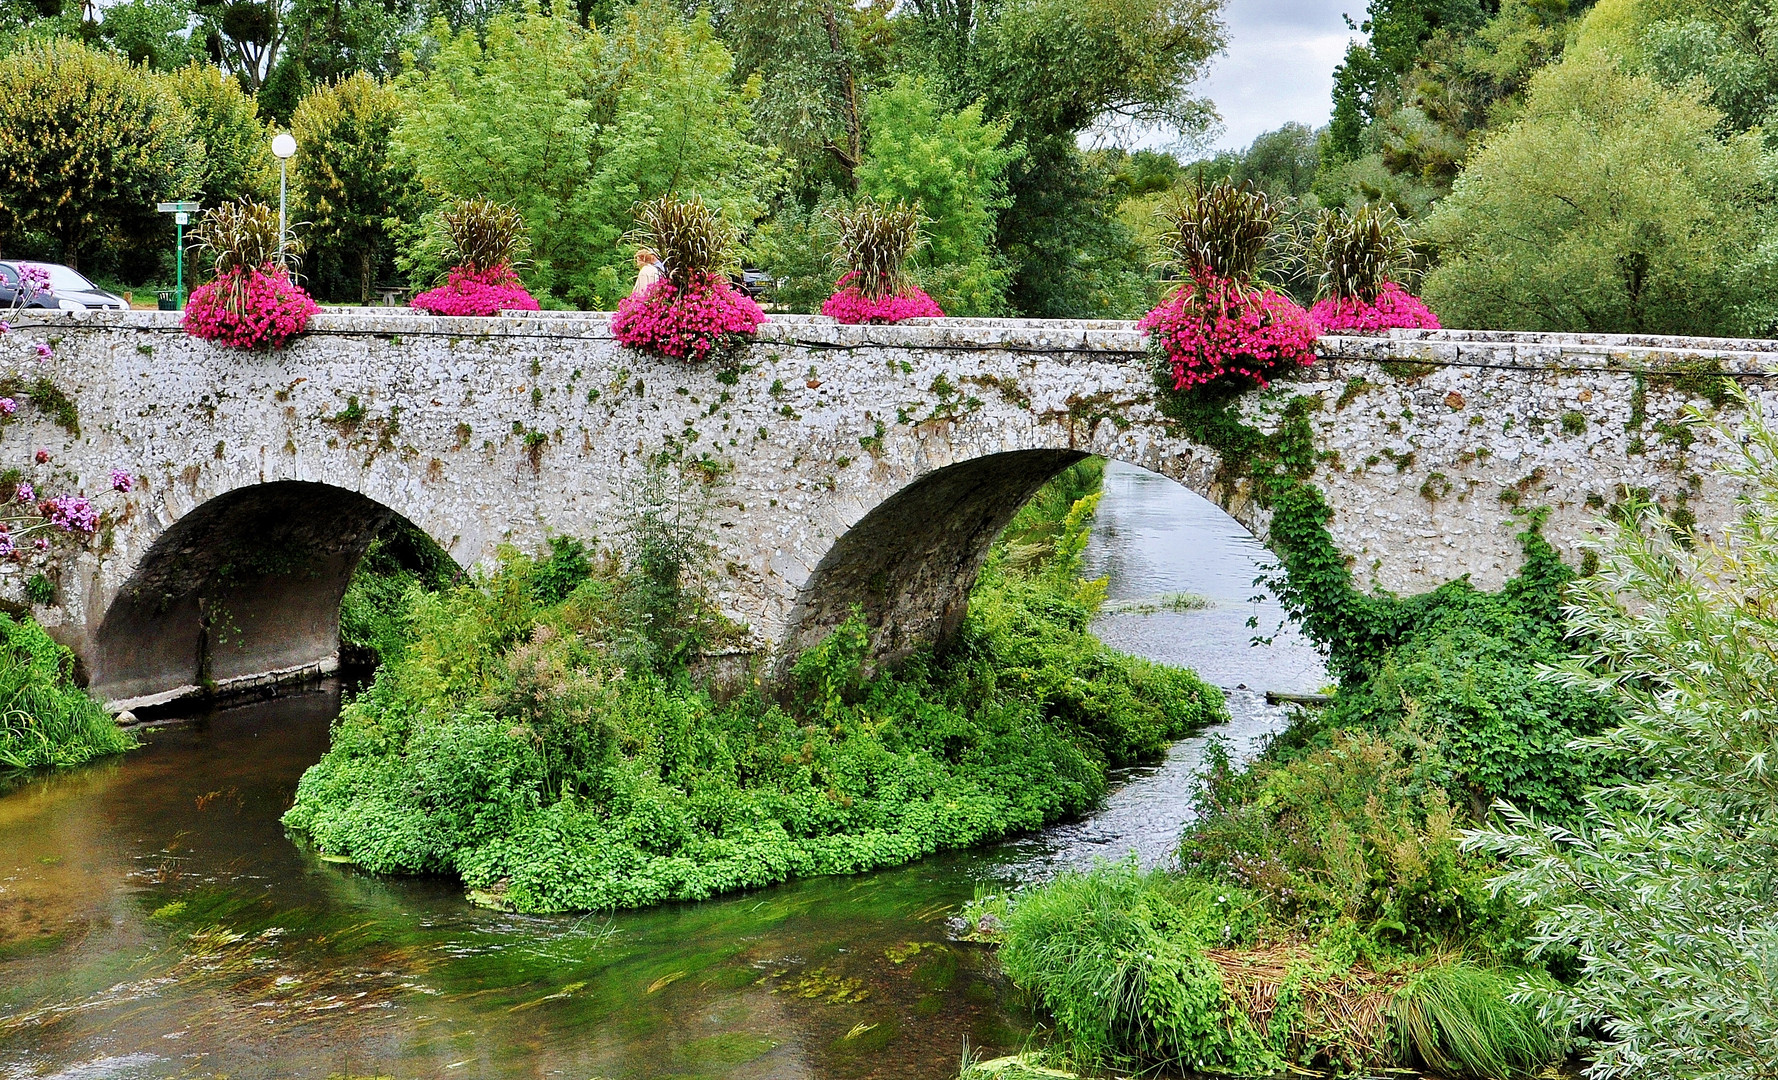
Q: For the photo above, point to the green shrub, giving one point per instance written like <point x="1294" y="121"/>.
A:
<point x="1158" y="970"/>
<point x="45" y="719"/>
<point x="373" y="611"/>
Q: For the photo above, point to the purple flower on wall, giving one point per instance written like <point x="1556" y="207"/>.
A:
<point x="122" y="481"/>
<point x="71" y="513"/>
<point x="8" y="406"/>
<point x="27" y="493"/>
<point x="44" y="352"/>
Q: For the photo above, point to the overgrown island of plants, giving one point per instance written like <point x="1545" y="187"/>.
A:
<point x="538" y="729"/>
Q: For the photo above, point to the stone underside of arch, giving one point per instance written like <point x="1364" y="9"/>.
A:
<point x="243" y="590"/>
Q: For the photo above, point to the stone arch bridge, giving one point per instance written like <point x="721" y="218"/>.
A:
<point x="845" y="465"/>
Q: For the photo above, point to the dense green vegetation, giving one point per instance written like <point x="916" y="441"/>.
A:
<point x="1326" y="912"/>
<point x="574" y="113"/>
<point x="536" y="730"/>
<point x="45" y="719"/>
<point x="1661" y="889"/>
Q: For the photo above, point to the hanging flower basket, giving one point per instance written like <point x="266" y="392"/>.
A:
<point x="1214" y="331"/>
<point x="1394" y="308"/>
<point x="849" y="304"/>
<point x="258" y="308"/>
<point x="706" y="317"/>
<point x="477" y="292"/>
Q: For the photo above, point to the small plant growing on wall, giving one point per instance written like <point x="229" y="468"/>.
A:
<point x="250" y="302"/>
<point x="875" y="243"/>
<point x="1218" y="327"/>
<point x="486" y="243"/>
<point x="1359" y="261"/>
<point x="692" y="313"/>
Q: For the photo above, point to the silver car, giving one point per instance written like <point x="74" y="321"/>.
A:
<point x="69" y="289"/>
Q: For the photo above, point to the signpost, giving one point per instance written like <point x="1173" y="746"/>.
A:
<point x="181" y="212"/>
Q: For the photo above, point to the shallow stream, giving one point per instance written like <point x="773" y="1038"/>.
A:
<point x="155" y="921"/>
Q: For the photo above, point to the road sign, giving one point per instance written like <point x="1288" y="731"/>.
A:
<point x="177" y="207"/>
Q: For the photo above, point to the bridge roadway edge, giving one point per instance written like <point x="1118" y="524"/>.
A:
<point x="1433" y="445"/>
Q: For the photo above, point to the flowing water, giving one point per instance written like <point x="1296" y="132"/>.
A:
<point x="155" y="922"/>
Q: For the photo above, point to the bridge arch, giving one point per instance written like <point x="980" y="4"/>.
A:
<point x="244" y="588"/>
<point x="910" y="562"/>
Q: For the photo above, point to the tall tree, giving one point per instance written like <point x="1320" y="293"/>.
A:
<point x="1611" y="205"/>
<point x="236" y="147"/>
<point x="88" y="144"/>
<point x="575" y="127"/>
<point x="346" y="182"/>
<point x="1052" y="69"/>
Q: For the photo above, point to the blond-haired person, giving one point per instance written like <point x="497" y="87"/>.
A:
<point x="648" y="271"/>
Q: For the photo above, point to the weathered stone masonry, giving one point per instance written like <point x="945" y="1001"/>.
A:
<point x="866" y="466"/>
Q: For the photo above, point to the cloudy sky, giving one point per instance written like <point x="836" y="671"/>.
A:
<point x="1279" y="64"/>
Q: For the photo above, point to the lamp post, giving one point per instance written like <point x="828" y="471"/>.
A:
<point x="283" y="146"/>
<point x="181" y="212"/>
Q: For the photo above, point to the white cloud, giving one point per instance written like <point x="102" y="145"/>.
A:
<point x="1279" y="64"/>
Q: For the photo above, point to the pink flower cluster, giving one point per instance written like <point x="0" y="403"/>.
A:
<point x="33" y="281"/>
<point x="477" y="292"/>
<point x="121" y="480"/>
<point x="70" y="513"/>
<point x="1217" y="330"/>
<point x="849" y="305"/>
<point x="272" y="309"/>
<point x="8" y="406"/>
<point x="706" y="316"/>
<point x="1394" y="307"/>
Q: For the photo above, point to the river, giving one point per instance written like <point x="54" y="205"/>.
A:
<point x="155" y="921"/>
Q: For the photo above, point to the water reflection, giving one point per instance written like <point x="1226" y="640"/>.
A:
<point x="155" y="921"/>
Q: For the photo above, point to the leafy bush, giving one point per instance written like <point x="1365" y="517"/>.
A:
<point x="510" y="742"/>
<point x="45" y="719"/>
<point x="1350" y="838"/>
<point x="1165" y="971"/>
<point x="373" y="613"/>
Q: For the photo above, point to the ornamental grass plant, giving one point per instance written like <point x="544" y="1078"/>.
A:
<point x="485" y="243"/>
<point x="874" y="243"/>
<point x="692" y="313"/>
<point x="251" y="301"/>
<point x="1358" y="261"/>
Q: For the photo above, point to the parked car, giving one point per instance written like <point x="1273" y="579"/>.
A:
<point x="69" y="289"/>
<point x="755" y="283"/>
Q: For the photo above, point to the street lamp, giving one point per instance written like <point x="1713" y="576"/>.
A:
<point x="283" y="146"/>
